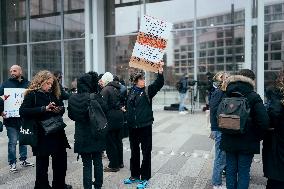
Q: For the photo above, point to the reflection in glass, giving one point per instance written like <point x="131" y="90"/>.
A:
<point x="45" y="20"/>
<point x="45" y="57"/>
<point x="74" y="26"/>
<point x="74" y="52"/>
<point x="13" y="15"/>
<point x="73" y="4"/>
<point x="14" y="55"/>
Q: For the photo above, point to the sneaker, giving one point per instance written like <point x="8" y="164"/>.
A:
<point x="143" y="184"/>
<point x="27" y="164"/>
<point x="108" y="169"/>
<point x="13" y="168"/>
<point x="131" y="180"/>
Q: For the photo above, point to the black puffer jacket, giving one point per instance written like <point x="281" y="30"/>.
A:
<point x="139" y="104"/>
<point x="1" y="105"/>
<point x="216" y="98"/>
<point x="111" y="94"/>
<point x="273" y="142"/>
<point x="13" y="83"/>
<point x="85" y="141"/>
<point x="250" y="141"/>
<point x="32" y="108"/>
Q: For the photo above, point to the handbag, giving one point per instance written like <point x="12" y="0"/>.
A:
<point x="52" y="124"/>
<point x="28" y="133"/>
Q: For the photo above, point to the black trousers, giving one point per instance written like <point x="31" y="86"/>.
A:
<point x="274" y="184"/>
<point x="96" y="159"/>
<point x="114" y="148"/>
<point x="59" y="167"/>
<point x="141" y="136"/>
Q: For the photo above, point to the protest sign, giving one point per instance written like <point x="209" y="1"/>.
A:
<point x="15" y="97"/>
<point x="150" y="44"/>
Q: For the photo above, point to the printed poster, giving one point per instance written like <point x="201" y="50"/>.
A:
<point x="13" y="102"/>
<point x="150" y="44"/>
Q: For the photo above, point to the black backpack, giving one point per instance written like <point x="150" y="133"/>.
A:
<point x="98" y="120"/>
<point x="233" y="114"/>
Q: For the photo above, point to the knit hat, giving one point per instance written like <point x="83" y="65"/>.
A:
<point x="106" y="78"/>
<point x="136" y="75"/>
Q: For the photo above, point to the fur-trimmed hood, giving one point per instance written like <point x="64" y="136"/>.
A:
<point x="240" y="84"/>
<point x="238" y="78"/>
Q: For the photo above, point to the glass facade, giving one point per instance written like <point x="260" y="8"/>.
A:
<point x="50" y="34"/>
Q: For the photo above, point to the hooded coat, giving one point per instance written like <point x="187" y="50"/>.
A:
<point x="85" y="141"/>
<point x="273" y="142"/>
<point x="111" y="95"/>
<point x="249" y="142"/>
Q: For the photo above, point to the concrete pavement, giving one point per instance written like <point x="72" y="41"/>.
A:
<point x="182" y="158"/>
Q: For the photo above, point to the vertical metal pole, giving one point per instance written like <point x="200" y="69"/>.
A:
<point x="62" y="39"/>
<point x="28" y="40"/>
<point x="260" y="48"/>
<point x="233" y="38"/>
<point x="87" y="36"/>
<point x="195" y="51"/>
<point x="248" y="36"/>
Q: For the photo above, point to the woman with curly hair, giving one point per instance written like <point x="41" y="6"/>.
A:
<point x="41" y="102"/>
<point x="273" y="143"/>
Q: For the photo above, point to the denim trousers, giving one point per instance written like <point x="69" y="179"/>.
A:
<point x="13" y="136"/>
<point x="181" y="101"/>
<point x="238" y="170"/>
<point x="219" y="161"/>
<point x="88" y="159"/>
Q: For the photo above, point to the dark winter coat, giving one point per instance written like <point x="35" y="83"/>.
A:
<point x="85" y="141"/>
<point x="214" y="102"/>
<point x="273" y="142"/>
<point x="248" y="142"/>
<point x="184" y="85"/>
<point x="33" y="107"/>
<point x="139" y="104"/>
<point x="1" y="105"/>
<point x="13" y="83"/>
<point x="111" y="94"/>
<point x="64" y="94"/>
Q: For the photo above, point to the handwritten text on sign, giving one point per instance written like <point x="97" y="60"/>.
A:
<point x="13" y="102"/>
<point x="150" y="44"/>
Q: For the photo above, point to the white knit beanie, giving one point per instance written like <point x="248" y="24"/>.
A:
<point x="106" y="78"/>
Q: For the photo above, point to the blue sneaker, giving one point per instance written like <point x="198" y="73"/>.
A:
<point x="131" y="180"/>
<point x="143" y="184"/>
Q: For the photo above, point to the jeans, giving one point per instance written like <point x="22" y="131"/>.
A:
<point x="219" y="161"/>
<point x="13" y="136"/>
<point x="238" y="170"/>
<point x="181" y="101"/>
<point x="96" y="159"/>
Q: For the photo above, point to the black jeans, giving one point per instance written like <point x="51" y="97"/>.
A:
<point x="96" y="159"/>
<point x="59" y="167"/>
<point x="141" y="136"/>
<point x="114" y="148"/>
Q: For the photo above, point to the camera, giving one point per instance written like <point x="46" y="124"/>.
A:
<point x="192" y="83"/>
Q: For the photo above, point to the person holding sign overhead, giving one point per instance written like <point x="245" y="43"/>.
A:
<point x="13" y="124"/>
<point x="140" y="119"/>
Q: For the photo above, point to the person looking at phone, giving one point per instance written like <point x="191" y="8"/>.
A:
<point x="41" y="102"/>
<point x="13" y="124"/>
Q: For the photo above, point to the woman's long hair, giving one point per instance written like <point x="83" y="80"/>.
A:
<point x="41" y="78"/>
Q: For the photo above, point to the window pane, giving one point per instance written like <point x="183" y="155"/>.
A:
<point x="74" y="61"/>
<point x="46" y="57"/>
<point x="13" y="15"/>
<point x="45" y="20"/>
<point x="73" y="4"/>
<point x="74" y="25"/>
<point x="14" y="55"/>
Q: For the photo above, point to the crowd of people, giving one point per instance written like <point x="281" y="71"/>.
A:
<point x="132" y="109"/>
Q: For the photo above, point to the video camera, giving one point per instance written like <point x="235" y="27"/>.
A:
<point x="192" y="83"/>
